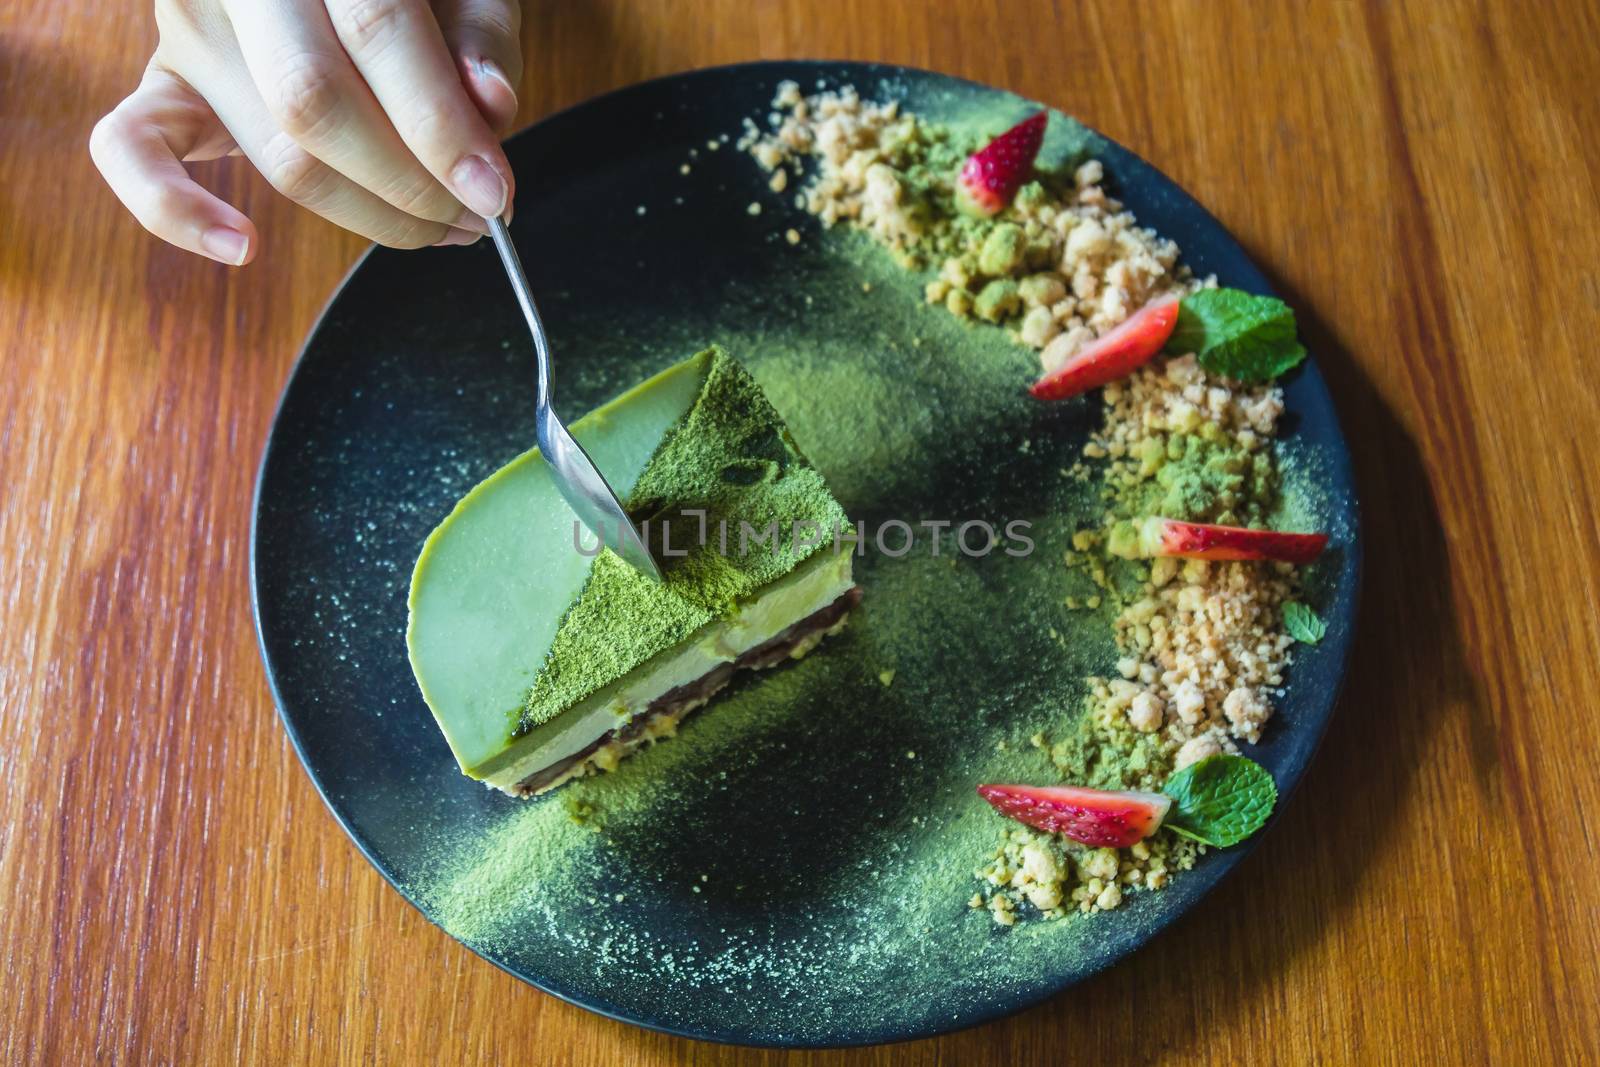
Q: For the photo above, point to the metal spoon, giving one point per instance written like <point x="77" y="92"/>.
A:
<point x="577" y="478"/>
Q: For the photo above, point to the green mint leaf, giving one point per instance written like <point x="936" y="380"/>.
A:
<point x="1303" y="624"/>
<point x="1238" y="335"/>
<point x="1221" y="800"/>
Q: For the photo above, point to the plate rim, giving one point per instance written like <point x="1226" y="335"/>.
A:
<point x="1221" y="868"/>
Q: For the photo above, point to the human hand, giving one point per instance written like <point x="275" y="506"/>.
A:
<point x="379" y="115"/>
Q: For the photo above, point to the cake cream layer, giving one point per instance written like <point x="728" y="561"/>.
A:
<point x="816" y="584"/>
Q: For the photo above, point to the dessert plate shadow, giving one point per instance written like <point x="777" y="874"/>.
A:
<point x="794" y="868"/>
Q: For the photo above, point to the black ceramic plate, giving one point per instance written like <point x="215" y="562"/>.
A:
<point x="794" y="869"/>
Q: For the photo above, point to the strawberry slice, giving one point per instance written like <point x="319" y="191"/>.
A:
<point x="1098" y="817"/>
<point x="1115" y="355"/>
<point x="1199" y="540"/>
<point x="992" y="175"/>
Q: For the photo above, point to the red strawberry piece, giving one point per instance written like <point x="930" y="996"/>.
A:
<point x="992" y="175"/>
<point x="1117" y="354"/>
<point x="1099" y="817"/>
<point x="1199" y="540"/>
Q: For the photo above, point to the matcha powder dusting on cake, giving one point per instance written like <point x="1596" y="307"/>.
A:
<point x="731" y="458"/>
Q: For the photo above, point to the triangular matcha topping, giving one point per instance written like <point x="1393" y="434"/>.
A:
<point x="731" y="457"/>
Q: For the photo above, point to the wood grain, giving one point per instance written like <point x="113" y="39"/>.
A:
<point x="1418" y="178"/>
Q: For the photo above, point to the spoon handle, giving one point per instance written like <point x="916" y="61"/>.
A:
<point x="530" y="310"/>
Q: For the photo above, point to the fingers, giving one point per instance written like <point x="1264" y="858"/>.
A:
<point x="363" y="111"/>
<point x="399" y="49"/>
<point x="318" y="98"/>
<point x="138" y="148"/>
<point x="482" y="37"/>
<point x="298" y="174"/>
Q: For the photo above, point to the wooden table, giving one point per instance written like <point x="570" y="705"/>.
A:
<point x="1420" y="181"/>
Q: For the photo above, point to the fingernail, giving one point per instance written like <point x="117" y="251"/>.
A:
<point x="229" y="246"/>
<point x="479" y="186"/>
<point x="468" y="220"/>
<point x="488" y="68"/>
<point x="458" y="236"/>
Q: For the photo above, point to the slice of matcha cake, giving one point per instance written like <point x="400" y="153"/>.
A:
<point x="544" y="658"/>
